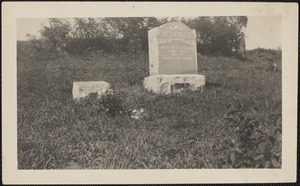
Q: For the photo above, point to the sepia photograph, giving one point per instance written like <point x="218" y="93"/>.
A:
<point x="152" y="92"/>
<point x="137" y="92"/>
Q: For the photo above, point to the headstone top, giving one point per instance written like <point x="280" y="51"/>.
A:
<point x="172" y="49"/>
<point x="176" y="30"/>
<point x="175" y="26"/>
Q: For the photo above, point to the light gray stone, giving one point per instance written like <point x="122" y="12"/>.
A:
<point x="172" y="49"/>
<point x="173" y="59"/>
<point x="83" y="89"/>
<point x="166" y="84"/>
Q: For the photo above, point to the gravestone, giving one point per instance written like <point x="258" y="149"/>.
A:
<point x="83" y="89"/>
<point x="173" y="59"/>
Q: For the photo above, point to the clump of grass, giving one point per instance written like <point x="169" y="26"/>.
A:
<point x="108" y="104"/>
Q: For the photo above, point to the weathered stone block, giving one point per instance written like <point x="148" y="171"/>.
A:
<point x="167" y="84"/>
<point x="82" y="89"/>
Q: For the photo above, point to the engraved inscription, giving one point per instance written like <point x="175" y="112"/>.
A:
<point x="182" y="53"/>
<point x="173" y="49"/>
<point x="177" y="34"/>
<point x="177" y="57"/>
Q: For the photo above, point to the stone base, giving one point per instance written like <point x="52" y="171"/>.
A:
<point x="167" y="84"/>
<point x="83" y="89"/>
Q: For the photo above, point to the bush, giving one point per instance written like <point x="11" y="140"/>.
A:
<point x="255" y="140"/>
<point x="82" y="47"/>
<point x="109" y="104"/>
<point x="215" y="35"/>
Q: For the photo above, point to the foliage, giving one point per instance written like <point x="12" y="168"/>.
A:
<point x="108" y="104"/>
<point x="255" y="140"/>
<point x="219" y="35"/>
<point x="134" y="30"/>
<point x="54" y="38"/>
<point x="87" y="28"/>
<point x="215" y="35"/>
<point x="209" y="129"/>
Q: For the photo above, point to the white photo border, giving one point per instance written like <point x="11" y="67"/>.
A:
<point x="11" y="11"/>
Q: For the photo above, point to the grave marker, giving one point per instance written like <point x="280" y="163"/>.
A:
<point x="172" y="49"/>
<point x="83" y="89"/>
<point x="173" y="59"/>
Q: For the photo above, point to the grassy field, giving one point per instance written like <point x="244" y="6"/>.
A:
<point x="234" y="123"/>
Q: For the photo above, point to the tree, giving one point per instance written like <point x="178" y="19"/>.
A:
<point x="54" y="38"/>
<point x="219" y="35"/>
<point x="87" y="28"/>
<point x="133" y="30"/>
<point x="215" y="35"/>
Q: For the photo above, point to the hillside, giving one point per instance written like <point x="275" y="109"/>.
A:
<point x="234" y="123"/>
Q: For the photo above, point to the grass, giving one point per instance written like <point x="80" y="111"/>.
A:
<point x="234" y="123"/>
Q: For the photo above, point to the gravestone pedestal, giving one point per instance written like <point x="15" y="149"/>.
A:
<point x="173" y="59"/>
<point x="166" y="84"/>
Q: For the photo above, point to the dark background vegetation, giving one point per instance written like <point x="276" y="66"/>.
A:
<point x="234" y="123"/>
<point x="215" y="35"/>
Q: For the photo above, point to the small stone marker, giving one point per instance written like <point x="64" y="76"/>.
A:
<point x="173" y="59"/>
<point x="82" y="89"/>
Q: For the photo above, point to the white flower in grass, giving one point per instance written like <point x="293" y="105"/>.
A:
<point x="138" y="114"/>
<point x="145" y="115"/>
<point x="105" y="92"/>
<point x="109" y="91"/>
<point x="99" y="93"/>
<point x="135" y="117"/>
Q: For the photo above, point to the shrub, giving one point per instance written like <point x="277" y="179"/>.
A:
<point x="109" y="104"/>
<point x="215" y="35"/>
<point x="255" y="141"/>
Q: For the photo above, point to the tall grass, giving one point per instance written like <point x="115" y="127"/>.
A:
<point x="234" y="123"/>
